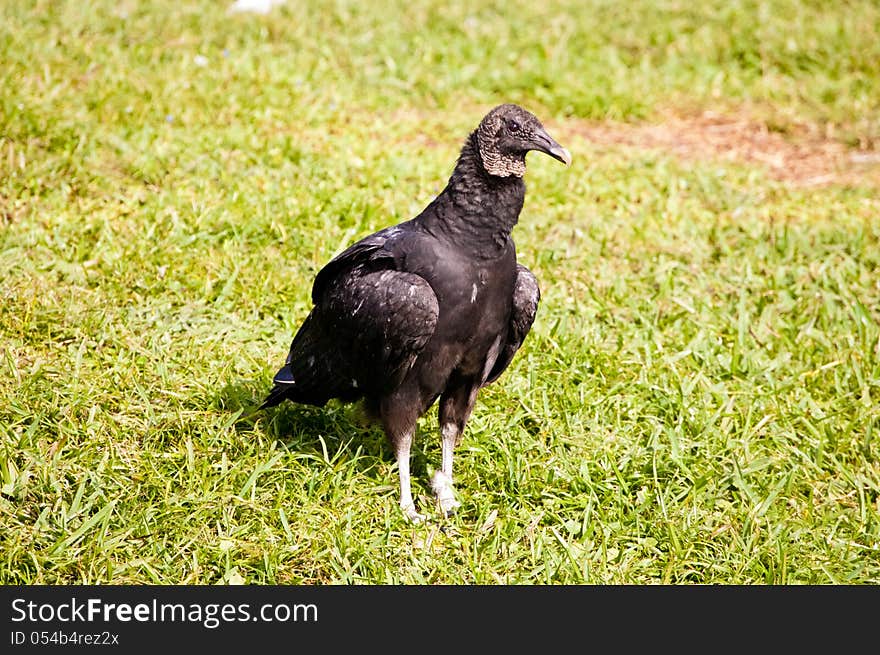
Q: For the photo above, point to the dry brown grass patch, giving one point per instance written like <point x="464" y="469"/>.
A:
<point x="800" y="157"/>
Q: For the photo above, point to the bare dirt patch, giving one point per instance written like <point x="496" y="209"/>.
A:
<point x="799" y="158"/>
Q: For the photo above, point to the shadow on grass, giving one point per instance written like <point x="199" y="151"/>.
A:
<point x="333" y="430"/>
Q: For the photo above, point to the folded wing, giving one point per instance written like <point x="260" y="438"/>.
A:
<point x="368" y="326"/>
<point x="526" y="296"/>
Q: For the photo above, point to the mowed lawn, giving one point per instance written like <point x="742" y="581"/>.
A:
<point x="698" y="401"/>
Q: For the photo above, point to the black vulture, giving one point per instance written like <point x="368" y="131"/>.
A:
<point x="434" y="307"/>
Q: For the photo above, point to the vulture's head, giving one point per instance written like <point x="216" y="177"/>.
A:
<point x="506" y="134"/>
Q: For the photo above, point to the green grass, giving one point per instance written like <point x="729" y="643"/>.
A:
<point x="699" y="400"/>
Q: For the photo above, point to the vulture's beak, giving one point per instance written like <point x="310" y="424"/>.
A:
<point x="545" y="143"/>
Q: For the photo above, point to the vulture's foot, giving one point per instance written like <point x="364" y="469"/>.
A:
<point x="443" y="490"/>
<point x="409" y="511"/>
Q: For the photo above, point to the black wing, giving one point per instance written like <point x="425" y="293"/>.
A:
<point x="526" y="296"/>
<point x="386" y="317"/>
<point x="377" y="251"/>
<point x="368" y="326"/>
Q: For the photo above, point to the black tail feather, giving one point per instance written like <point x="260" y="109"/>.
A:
<point x="276" y="396"/>
<point x="286" y="388"/>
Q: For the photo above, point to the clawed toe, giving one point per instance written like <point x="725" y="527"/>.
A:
<point x="449" y="507"/>
<point x="441" y="484"/>
<point x="409" y="511"/>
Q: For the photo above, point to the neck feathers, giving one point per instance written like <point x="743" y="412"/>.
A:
<point x="476" y="210"/>
<point x="486" y="202"/>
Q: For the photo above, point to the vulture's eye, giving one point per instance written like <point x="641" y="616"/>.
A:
<point x="513" y="125"/>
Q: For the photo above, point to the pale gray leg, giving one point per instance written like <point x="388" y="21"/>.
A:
<point x="402" y="449"/>
<point x="441" y="482"/>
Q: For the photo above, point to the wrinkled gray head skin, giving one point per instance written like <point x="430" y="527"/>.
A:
<point x="506" y="134"/>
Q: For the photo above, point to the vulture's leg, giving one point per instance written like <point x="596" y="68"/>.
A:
<point x="455" y="409"/>
<point x="402" y="445"/>
<point x="400" y="426"/>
